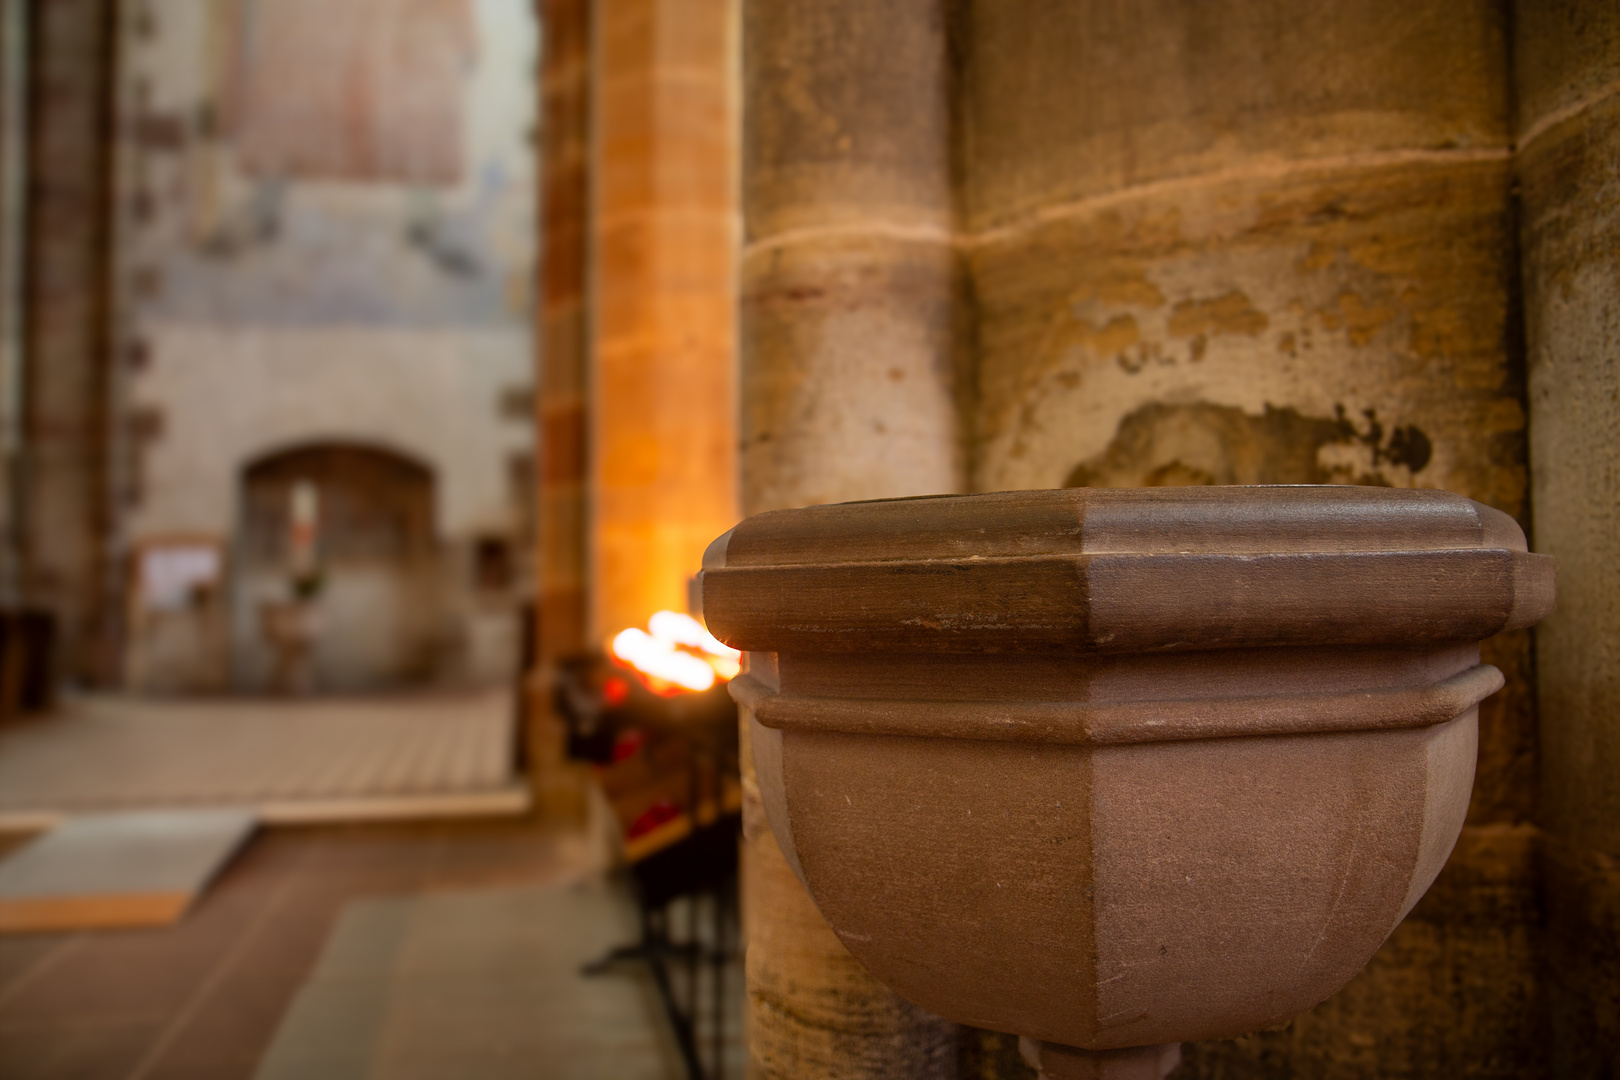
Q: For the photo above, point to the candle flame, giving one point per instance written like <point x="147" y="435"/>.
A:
<point x="676" y="653"/>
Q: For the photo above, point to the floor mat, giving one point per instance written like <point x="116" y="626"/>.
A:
<point x="106" y="870"/>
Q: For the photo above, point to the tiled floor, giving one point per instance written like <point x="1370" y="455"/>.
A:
<point x="204" y="998"/>
<point x="280" y="756"/>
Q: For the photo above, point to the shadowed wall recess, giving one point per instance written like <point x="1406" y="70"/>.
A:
<point x="1567" y="69"/>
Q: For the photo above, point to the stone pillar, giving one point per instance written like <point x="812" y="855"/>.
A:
<point x="562" y="366"/>
<point x="663" y="404"/>
<point x="1567" y="58"/>
<point x="850" y="391"/>
<point x="851" y="355"/>
<point x="66" y="502"/>
<point x="1255" y="241"/>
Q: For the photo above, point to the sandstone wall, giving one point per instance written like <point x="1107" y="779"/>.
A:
<point x="1567" y="60"/>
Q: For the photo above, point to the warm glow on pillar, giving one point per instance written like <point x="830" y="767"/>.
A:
<point x="678" y="654"/>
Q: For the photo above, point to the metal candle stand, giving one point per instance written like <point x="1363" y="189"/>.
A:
<point x="674" y="753"/>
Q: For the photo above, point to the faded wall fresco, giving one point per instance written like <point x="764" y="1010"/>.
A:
<point x="327" y="234"/>
<point x="366" y="90"/>
<point x="295" y="162"/>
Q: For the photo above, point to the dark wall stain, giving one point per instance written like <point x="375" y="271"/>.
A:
<point x="1163" y="445"/>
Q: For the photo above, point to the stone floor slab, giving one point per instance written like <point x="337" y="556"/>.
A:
<point x="480" y="984"/>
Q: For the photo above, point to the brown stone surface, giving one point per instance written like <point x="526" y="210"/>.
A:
<point x="813" y="1010"/>
<point x="561" y="363"/>
<point x="1116" y="571"/>
<point x="562" y="366"/>
<point x="954" y="870"/>
<point x="1567" y="59"/>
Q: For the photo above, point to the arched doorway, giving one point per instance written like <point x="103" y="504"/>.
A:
<point x="337" y="555"/>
